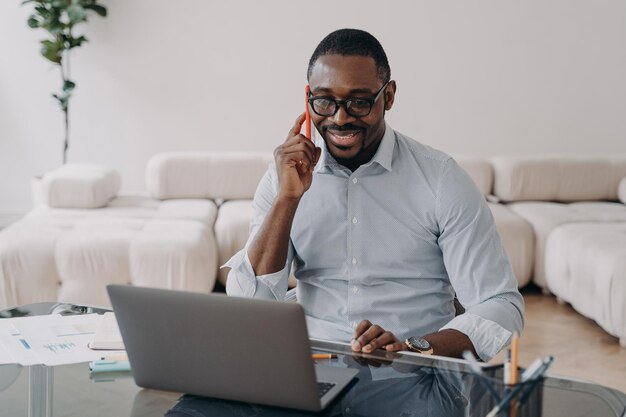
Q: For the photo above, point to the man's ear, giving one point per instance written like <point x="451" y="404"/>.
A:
<point x="390" y="94"/>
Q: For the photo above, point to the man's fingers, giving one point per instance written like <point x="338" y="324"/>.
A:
<point x="297" y="126"/>
<point x="299" y="159"/>
<point x="385" y="339"/>
<point x="395" y="347"/>
<point x="289" y="148"/>
<point x="361" y="328"/>
<point x="368" y="337"/>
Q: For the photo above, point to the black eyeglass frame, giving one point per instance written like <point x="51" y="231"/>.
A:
<point x="345" y="103"/>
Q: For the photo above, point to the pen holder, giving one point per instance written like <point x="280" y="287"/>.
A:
<point x="526" y="397"/>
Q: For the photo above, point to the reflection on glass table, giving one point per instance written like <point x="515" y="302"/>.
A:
<point x="387" y="385"/>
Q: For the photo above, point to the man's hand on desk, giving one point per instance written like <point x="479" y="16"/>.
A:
<point x="448" y="342"/>
<point x="368" y="337"/>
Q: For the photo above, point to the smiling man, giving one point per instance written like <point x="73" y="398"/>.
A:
<point x="382" y="231"/>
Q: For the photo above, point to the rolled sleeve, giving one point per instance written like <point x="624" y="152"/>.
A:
<point x="242" y="282"/>
<point x="487" y="336"/>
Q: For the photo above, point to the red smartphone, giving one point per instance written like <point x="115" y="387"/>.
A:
<point x="307" y="121"/>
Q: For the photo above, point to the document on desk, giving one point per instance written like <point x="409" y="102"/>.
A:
<point x="49" y="340"/>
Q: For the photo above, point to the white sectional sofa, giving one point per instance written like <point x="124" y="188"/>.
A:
<point x="198" y="208"/>
<point x="579" y="227"/>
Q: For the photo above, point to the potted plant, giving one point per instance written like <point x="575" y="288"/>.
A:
<point x="59" y="18"/>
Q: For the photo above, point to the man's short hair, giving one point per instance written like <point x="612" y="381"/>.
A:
<point x="353" y="42"/>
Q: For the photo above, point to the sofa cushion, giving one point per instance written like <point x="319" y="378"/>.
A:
<point x="560" y="178"/>
<point x="517" y="239"/>
<point x="586" y="266"/>
<point x="79" y="186"/>
<point x="93" y="254"/>
<point x="28" y="270"/>
<point x="544" y="217"/>
<point x="621" y="190"/>
<point x="71" y="254"/>
<point x="174" y="254"/>
<point x="225" y="176"/>
<point x="232" y="229"/>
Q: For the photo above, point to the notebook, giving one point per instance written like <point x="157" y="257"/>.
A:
<point x="232" y="348"/>
<point x="107" y="335"/>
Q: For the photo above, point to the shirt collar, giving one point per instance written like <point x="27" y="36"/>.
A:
<point x="382" y="157"/>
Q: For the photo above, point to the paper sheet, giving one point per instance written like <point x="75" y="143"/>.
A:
<point x="49" y="340"/>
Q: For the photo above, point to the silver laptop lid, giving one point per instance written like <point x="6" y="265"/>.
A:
<point x="214" y="345"/>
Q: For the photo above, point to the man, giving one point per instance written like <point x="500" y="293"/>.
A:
<point x="383" y="230"/>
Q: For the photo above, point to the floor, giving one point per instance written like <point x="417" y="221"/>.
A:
<point x="580" y="347"/>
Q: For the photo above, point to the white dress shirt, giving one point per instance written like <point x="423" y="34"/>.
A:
<point x="391" y="242"/>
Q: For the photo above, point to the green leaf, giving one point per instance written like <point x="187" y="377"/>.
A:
<point x="76" y="14"/>
<point x="101" y="10"/>
<point x="55" y="27"/>
<point x="33" y="22"/>
<point x="68" y="86"/>
<point x="42" y="12"/>
<point x="61" y="4"/>
<point x="52" y="51"/>
<point x="74" y="42"/>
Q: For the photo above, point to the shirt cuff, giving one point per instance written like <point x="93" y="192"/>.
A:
<point x="242" y="267"/>
<point x="487" y="336"/>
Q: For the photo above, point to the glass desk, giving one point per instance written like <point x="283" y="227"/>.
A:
<point x="387" y="385"/>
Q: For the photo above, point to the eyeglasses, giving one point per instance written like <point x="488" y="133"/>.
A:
<point x="355" y="107"/>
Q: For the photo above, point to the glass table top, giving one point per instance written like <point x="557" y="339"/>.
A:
<point x="386" y="385"/>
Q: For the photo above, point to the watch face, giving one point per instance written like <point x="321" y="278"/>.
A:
<point x="419" y="343"/>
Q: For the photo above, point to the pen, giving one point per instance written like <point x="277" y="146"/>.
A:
<point x="529" y="387"/>
<point x="507" y="368"/>
<point x="531" y="369"/>
<point x="114" y="358"/>
<point x="324" y="356"/>
<point x="307" y="114"/>
<point x="109" y="366"/>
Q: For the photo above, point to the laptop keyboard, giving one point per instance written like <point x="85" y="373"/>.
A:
<point x="324" y="387"/>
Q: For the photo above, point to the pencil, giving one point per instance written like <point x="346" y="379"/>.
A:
<point x="324" y="356"/>
<point x="514" y="358"/>
<point x="307" y="122"/>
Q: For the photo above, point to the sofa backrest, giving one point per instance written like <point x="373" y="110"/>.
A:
<point x="558" y="178"/>
<point x="227" y="176"/>
<point x="232" y="176"/>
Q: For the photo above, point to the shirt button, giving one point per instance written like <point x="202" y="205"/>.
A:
<point x="355" y="289"/>
<point x="354" y="220"/>
<point x="353" y="261"/>
<point x="354" y="180"/>
<point x="353" y="323"/>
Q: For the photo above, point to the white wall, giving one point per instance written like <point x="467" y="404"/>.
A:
<point x="478" y="77"/>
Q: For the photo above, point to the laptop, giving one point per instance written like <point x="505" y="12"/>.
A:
<point x="231" y="348"/>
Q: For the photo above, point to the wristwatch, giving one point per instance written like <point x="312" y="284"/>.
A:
<point x="419" y="345"/>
